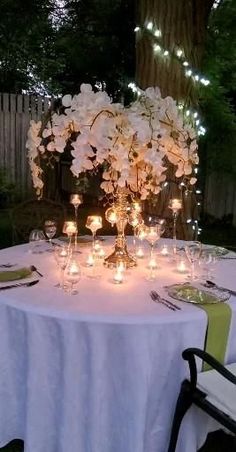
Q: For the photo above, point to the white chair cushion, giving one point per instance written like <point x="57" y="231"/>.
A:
<point x="220" y="392"/>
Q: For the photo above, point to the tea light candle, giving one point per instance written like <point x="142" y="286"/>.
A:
<point x="181" y="266"/>
<point x="76" y="199"/>
<point x="164" y="251"/>
<point x="90" y="261"/>
<point x="69" y="227"/>
<point x="140" y="252"/>
<point x="176" y="205"/>
<point x="118" y="276"/>
<point x="121" y="266"/>
<point x="73" y="271"/>
<point x="137" y="206"/>
<point x="101" y="253"/>
<point x="152" y="264"/>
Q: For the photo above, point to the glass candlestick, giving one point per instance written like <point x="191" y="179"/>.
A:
<point x="94" y="222"/>
<point x="76" y="200"/>
<point x="70" y="229"/>
<point x="175" y="205"/>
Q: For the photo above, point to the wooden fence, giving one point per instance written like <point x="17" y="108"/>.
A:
<point x="16" y="111"/>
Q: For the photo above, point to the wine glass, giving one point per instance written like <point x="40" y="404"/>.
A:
<point x="193" y="252"/>
<point x="50" y="229"/>
<point x="135" y="219"/>
<point x="36" y="238"/>
<point x="94" y="222"/>
<point x="62" y="255"/>
<point x="141" y="232"/>
<point x="72" y="275"/>
<point x="207" y="261"/>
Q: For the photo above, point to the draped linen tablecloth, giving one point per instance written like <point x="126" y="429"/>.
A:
<point x="99" y="371"/>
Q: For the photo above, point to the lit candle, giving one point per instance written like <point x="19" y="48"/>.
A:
<point x="118" y="277"/>
<point x="137" y="206"/>
<point x="90" y="261"/>
<point x="181" y="266"/>
<point x="175" y="205"/>
<point x="139" y="252"/>
<point x="152" y="264"/>
<point x="121" y="266"/>
<point x="70" y="227"/>
<point x="94" y="222"/>
<point x="101" y="253"/>
<point x="73" y="271"/>
<point x="164" y="251"/>
<point x="76" y="199"/>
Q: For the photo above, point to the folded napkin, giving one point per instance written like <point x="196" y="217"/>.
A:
<point x="219" y="320"/>
<point x="13" y="275"/>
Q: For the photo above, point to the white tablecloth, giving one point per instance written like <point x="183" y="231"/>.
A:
<point x="99" y="371"/>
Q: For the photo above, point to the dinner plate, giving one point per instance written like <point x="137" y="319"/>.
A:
<point x="192" y="294"/>
<point x="15" y="275"/>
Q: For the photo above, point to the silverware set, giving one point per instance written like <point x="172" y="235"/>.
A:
<point x="26" y="284"/>
<point x="211" y="285"/>
<point x="169" y="304"/>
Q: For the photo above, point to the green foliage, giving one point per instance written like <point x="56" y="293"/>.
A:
<point x="218" y="101"/>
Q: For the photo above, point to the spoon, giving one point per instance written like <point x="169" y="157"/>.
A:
<point x="214" y="285"/>
<point x="34" y="269"/>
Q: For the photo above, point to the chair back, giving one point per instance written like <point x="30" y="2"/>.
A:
<point x="31" y="214"/>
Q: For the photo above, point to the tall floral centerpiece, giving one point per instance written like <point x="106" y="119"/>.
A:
<point x="133" y="145"/>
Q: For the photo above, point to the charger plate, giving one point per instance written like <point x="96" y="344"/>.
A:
<point x="218" y="250"/>
<point x="191" y="294"/>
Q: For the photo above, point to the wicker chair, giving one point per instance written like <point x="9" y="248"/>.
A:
<point x="32" y="214"/>
<point x="214" y="391"/>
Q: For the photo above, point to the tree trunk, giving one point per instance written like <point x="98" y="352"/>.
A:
<point x="183" y="26"/>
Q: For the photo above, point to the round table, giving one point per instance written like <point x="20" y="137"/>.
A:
<point x="99" y="371"/>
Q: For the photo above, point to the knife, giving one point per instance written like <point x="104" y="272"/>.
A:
<point x="28" y="284"/>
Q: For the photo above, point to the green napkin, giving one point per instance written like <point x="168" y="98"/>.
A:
<point x="219" y="319"/>
<point x="12" y="275"/>
<point x="218" y="315"/>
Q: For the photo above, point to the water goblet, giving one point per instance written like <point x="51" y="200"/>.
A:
<point x="94" y="222"/>
<point x="62" y="255"/>
<point x="72" y="275"/>
<point x="193" y="252"/>
<point x="50" y="229"/>
<point x="135" y="219"/>
<point x="207" y="261"/>
<point x="36" y="238"/>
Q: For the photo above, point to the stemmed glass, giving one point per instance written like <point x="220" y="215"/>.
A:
<point x="70" y="229"/>
<point x="193" y="252"/>
<point x="62" y="255"/>
<point x="207" y="262"/>
<point x="141" y="233"/>
<point x="36" y="237"/>
<point x="135" y="219"/>
<point x="94" y="222"/>
<point x="76" y="200"/>
<point x="72" y="275"/>
<point x="175" y="205"/>
<point x="50" y="229"/>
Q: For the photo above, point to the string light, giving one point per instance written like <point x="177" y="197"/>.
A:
<point x="178" y="54"/>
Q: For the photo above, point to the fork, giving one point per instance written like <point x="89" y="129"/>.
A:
<point x="155" y="297"/>
<point x="28" y="284"/>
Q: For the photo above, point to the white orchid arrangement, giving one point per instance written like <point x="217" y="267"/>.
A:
<point x="133" y="145"/>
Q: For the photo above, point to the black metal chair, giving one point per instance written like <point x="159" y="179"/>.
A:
<point x="212" y="391"/>
<point x="31" y="214"/>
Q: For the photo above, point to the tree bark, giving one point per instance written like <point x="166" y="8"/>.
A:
<point x="183" y="25"/>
